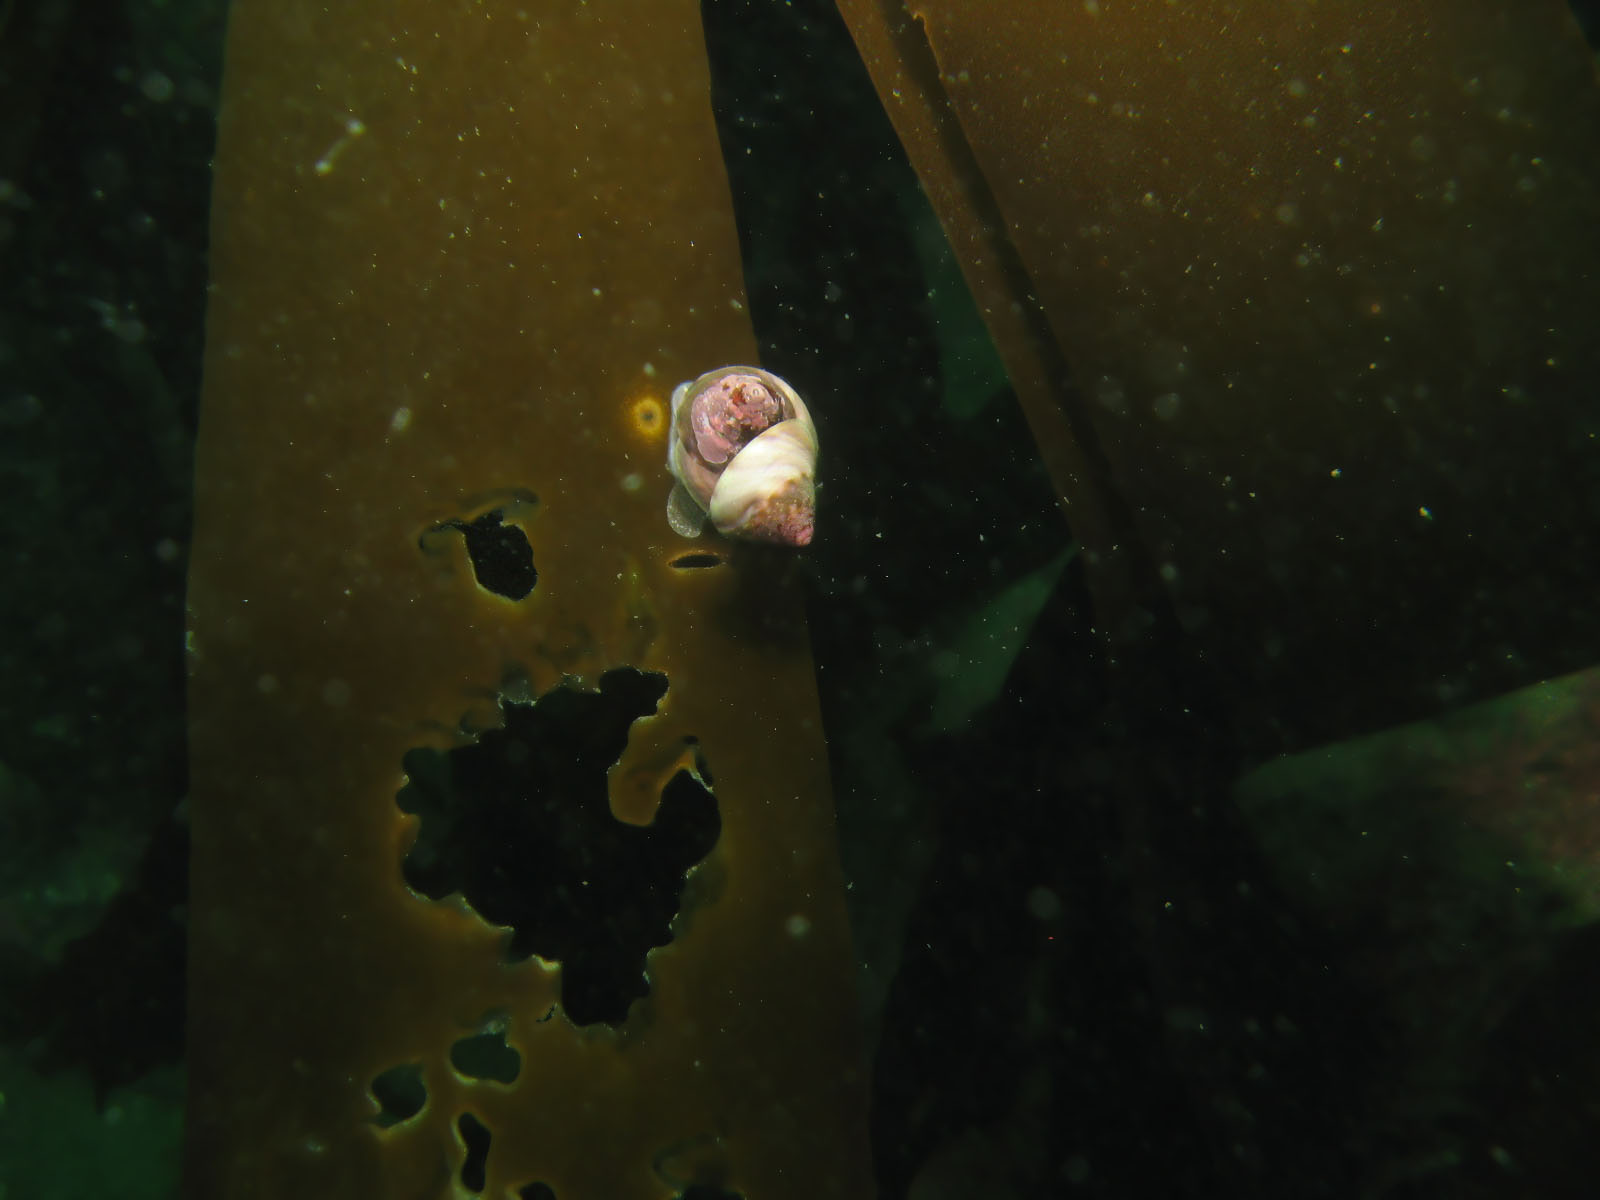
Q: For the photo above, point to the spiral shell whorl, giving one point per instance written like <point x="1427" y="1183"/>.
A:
<point x="744" y="449"/>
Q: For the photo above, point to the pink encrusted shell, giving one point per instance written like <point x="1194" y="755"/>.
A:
<point x="743" y="450"/>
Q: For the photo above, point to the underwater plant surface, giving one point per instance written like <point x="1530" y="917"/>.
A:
<point x="1103" y="951"/>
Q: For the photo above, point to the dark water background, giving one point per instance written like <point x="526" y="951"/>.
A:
<point x="1035" y="1034"/>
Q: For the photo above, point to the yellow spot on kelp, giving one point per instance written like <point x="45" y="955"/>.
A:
<point x="648" y="417"/>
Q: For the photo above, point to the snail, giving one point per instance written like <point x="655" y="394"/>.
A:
<point x="743" y="451"/>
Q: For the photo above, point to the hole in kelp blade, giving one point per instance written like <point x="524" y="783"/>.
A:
<point x="486" y="1056"/>
<point x="476" y="1137"/>
<point x="519" y="823"/>
<point x="501" y="556"/>
<point x="400" y="1094"/>
<point x="696" y="562"/>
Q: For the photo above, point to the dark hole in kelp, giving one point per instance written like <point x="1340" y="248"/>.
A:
<point x="519" y="824"/>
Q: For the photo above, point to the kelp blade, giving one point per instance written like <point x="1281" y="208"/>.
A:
<point x="462" y="252"/>
<point x="1323" y="278"/>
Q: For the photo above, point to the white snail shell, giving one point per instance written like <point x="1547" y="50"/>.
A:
<point x="744" y="453"/>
